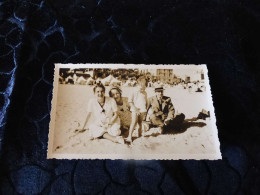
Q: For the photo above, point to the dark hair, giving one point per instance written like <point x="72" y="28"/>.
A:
<point x="116" y="88"/>
<point x="99" y="85"/>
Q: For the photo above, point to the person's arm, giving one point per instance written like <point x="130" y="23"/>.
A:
<point x="113" y="119"/>
<point x="86" y="121"/>
<point x="133" y="106"/>
<point x="155" y="110"/>
<point x="131" y="103"/>
<point x="171" y="109"/>
<point x="148" y="107"/>
<point x="89" y="111"/>
<point x="114" y="110"/>
<point x="148" y="104"/>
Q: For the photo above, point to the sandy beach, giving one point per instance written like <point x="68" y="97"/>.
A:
<point x="198" y="137"/>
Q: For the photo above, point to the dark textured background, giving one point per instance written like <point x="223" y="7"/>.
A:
<point x="36" y="34"/>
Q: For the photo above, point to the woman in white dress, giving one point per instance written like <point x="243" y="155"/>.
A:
<point x="106" y="122"/>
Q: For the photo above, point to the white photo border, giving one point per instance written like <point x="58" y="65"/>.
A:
<point x="132" y="156"/>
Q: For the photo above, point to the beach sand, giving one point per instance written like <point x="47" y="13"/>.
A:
<point x="197" y="138"/>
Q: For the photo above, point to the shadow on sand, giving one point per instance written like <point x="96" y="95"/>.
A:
<point x="184" y="126"/>
<point x="180" y="125"/>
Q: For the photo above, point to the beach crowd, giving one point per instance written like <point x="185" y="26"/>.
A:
<point x="74" y="79"/>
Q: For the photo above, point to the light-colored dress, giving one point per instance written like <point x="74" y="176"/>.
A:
<point x="102" y="117"/>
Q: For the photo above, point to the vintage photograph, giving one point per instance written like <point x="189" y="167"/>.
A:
<point x="118" y="111"/>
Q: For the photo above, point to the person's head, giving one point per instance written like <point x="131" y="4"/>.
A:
<point x="115" y="93"/>
<point x="99" y="91"/>
<point x="142" y="82"/>
<point x="159" y="91"/>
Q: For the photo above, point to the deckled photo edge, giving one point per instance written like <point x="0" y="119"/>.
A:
<point x="212" y="113"/>
<point x="136" y="156"/>
<point x="51" y="155"/>
<point x="53" y="111"/>
<point x="129" y="66"/>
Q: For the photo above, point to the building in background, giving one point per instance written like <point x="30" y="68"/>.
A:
<point x="164" y="75"/>
<point x="190" y="76"/>
<point x="170" y="76"/>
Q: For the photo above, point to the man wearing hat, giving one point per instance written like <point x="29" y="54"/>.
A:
<point x="161" y="110"/>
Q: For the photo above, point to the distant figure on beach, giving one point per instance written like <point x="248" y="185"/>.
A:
<point x="69" y="80"/>
<point x="161" y="111"/>
<point x="138" y="103"/>
<point x="75" y="78"/>
<point x="61" y="79"/>
<point x="81" y="80"/>
<point x="106" y="122"/>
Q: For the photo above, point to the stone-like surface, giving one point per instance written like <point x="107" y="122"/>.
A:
<point x="120" y="170"/>
<point x="199" y="173"/>
<point x="169" y="186"/>
<point x="61" y="185"/>
<point x="149" y="174"/>
<point x="225" y="180"/>
<point x="30" y="179"/>
<point x="90" y="177"/>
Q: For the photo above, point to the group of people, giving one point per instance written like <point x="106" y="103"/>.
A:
<point x="112" y="114"/>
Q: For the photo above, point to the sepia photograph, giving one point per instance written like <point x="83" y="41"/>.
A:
<point x="142" y="112"/>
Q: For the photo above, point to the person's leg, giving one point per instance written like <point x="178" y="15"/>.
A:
<point x="96" y="131"/>
<point x="132" y="126"/>
<point x="140" y="120"/>
<point x="109" y="137"/>
<point x="113" y="133"/>
<point x="156" y="121"/>
<point x="116" y="139"/>
<point x="114" y="130"/>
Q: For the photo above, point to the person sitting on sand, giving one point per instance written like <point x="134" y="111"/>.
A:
<point x="106" y="122"/>
<point x="123" y="111"/>
<point x="161" y="111"/>
<point x="138" y="103"/>
<point x="123" y="107"/>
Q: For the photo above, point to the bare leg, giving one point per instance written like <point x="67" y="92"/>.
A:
<point x="139" y="121"/>
<point x="132" y="126"/>
<point x="116" y="139"/>
<point x="156" y="120"/>
<point x="109" y="137"/>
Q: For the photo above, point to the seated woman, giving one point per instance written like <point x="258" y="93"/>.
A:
<point x="124" y="113"/>
<point x="123" y="107"/>
<point x="106" y="122"/>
